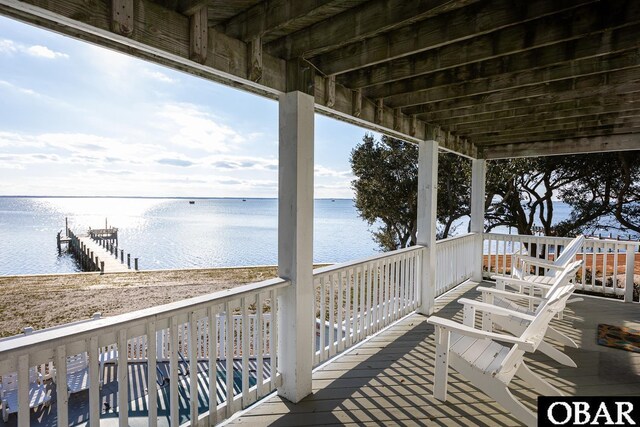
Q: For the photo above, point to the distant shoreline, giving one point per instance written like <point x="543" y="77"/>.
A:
<point x="159" y="197"/>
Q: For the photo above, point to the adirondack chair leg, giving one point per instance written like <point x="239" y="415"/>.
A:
<point x="556" y="354"/>
<point x="487" y="318"/>
<point x="539" y="384"/>
<point x="560" y="337"/>
<point x="441" y="364"/>
<point x="469" y="316"/>
<point x="501" y="394"/>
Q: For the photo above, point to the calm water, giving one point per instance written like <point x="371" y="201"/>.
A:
<point x="170" y="233"/>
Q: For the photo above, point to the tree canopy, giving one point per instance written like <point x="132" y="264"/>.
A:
<point x="603" y="191"/>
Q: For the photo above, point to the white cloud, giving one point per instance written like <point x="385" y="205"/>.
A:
<point x="24" y="91"/>
<point x="45" y="52"/>
<point x="320" y="170"/>
<point x="158" y="76"/>
<point x="10" y="47"/>
<point x="195" y="128"/>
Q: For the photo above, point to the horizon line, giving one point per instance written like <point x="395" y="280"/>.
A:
<point x="157" y="197"/>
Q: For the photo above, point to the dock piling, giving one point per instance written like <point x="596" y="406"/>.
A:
<point x="102" y="267"/>
<point x="135" y="263"/>
<point x="129" y="261"/>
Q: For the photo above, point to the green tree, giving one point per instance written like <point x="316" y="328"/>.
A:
<point x="386" y="189"/>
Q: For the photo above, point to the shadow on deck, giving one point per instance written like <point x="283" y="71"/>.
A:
<point x="388" y="380"/>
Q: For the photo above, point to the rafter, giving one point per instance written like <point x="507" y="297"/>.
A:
<point x="472" y="21"/>
<point x="549" y="124"/>
<point x="611" y="129"/>
<point x="489" y="112"/>
<point x="558" y="91"/>
<point x="535" y="115"/>
<point x="372" y="17"/>
<point x="594" y="144"/>
<point x="498" y="47"/>
<point x="270" y="19"/>
<point x="487" y="76"/>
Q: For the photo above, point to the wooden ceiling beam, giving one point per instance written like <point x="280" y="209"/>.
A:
<point x="268" y="18"/>
<point x="587" y="144"/>
<point x="497" y="52"/>
<point x="495" y="77"/>
<point x="624" y="65"/>
<point x="358" y="23"/>
<point x="617" y="82"/>
<point x="490" y="112"/>
<point x="462" y="24"/>
<point x="627" y="126"/>
<point x="507" y="118"/>
<point x="549" y="124"/>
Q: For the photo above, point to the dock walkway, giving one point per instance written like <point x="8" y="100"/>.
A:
<point x="95" y="257"/>
<point x="112" y="263"/>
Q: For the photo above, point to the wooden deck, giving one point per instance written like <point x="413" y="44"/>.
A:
<point x="388" y="380"/>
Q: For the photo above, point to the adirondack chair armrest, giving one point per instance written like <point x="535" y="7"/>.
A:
<point x="541" y="263"/>
<point x="520" y="282"/>
<point x="494" y="309"/>
<point x="452" y="326"/>
<point x="509" y="295"/>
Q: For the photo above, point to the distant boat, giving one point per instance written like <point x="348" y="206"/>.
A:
<point x="244" y="200"/>
<point x="333" y="200"/>
<point x="192" y="202"/>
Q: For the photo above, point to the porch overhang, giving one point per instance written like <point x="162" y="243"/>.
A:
<point x="484" y="79"/>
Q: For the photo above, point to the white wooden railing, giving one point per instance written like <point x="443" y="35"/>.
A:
<point x="178" y="329"/>
<point x="352" y="301"/>
<point x="595" y="276"/>
<point x="356" y="299"/>
<point x="454" y="261"/>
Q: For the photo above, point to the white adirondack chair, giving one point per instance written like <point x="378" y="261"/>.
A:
<point x="522" y="263"/>
<point x="489" y="365"/>
<point x="38" y="393"/>
<point x="495" y="301"/>
<point x="78" y="372"/>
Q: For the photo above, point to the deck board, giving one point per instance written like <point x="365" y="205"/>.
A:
<point x="389" y="378"/>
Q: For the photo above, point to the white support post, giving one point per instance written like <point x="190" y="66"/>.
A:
<point x="629" y="272"/>
<point x="478" y="174"/>
<point x="427" y="201"/>
<point x="295" y="245"/>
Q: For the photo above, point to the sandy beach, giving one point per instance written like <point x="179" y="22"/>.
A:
<point x="43" y="301"/>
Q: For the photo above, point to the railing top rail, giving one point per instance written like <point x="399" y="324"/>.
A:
<point x="560" y="239"/>
<point x="453" y="238"/>
<point x="82" y="330"/>
<point x="356" y="263"/>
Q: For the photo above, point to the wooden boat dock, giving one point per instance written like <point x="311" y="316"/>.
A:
<point x="98" y="250"/>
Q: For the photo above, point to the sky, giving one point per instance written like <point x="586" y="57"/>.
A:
<point x="81" y="120"/>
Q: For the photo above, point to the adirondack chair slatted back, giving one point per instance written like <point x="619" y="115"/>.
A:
<point x="570" y="251"/>
<point x="567" y="255"/>
<point x="555" y="301"/>
<point x="536" y="330"/>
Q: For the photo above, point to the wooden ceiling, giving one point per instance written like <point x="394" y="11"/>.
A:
<point x="488" y="79"/>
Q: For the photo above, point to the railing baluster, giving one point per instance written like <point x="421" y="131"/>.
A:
<point x="368" y="297"/>
<point x="360" y="325"/>
<point x="229" y="362"/>
<point x="332" y="318"/>
<point x="123" y="380"/>
<point x="628" y="274"/>
<point x="193" y="369"/>
<point x="61" y="387"/>
<point x="174" y="377"/>
<point x="94" y="382"/>
<point x="244" y="343"/>
<point x="376" y="297"/>
<point x="260" y="347"/>
<point x="273" y="339"/>
<point x="616" y="256"/>
<point x="152" y="376"/>
<point x="212" y="323"/>
<point x="350" y="277"/>
<point x="323" y="311"/>
<point x="341" y="277"/>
